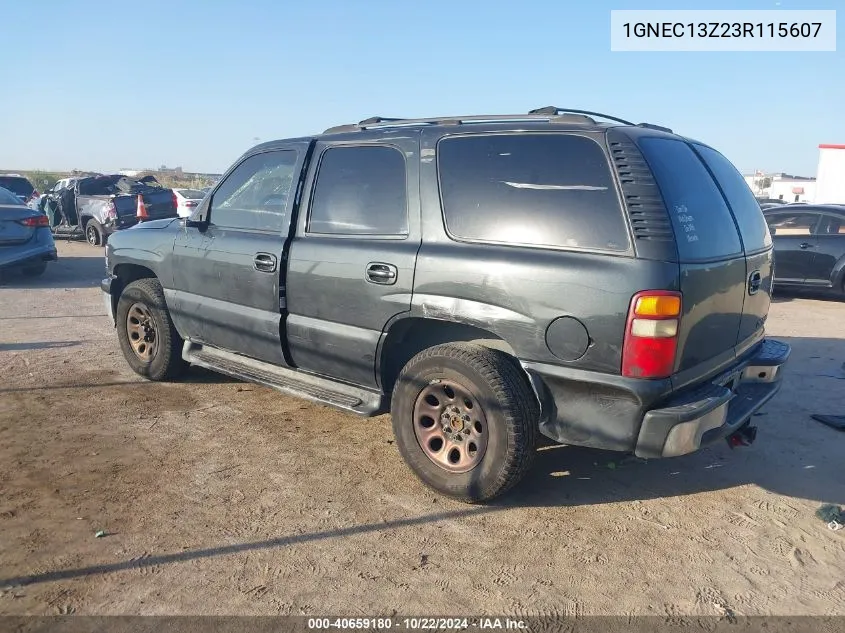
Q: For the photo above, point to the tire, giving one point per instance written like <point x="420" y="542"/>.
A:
<point x="94" y="233"/>
<point x="157" y="357"/>
<point x="36" y="270"/>
<point x="482" y="377"/>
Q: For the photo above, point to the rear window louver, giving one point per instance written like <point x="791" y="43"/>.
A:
<point x="643" y="202"/>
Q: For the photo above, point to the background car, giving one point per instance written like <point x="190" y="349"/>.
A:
<point x="26" y="243"/>
<point x="809" y="246"/>
<point x="763" y="201"/>
<point x="188" y="200"/>
<point x="20" y="186"/>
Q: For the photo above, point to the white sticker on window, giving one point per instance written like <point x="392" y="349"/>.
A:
<point x="687" y="221"/>
<point x="529" y="185"/>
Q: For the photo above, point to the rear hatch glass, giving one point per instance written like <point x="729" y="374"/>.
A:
<point x="192" y="194"/>
<point x="703" y="224"/>
<point x="712" y="263"/>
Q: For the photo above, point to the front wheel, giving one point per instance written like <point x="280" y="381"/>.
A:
<point x="466" y="420"/>
<point x="148" y="339"/>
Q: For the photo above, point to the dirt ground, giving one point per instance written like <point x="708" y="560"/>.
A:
<point x="221" y="497"/>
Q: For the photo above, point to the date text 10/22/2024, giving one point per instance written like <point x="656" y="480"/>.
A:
<point x="419" y="623"/>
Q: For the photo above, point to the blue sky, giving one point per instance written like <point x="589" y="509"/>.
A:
<point x="107" y="85"/>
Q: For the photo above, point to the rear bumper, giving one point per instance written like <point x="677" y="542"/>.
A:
<point x="28" y="257"/>
<point x="716" y="410"/>
<point x="645" y="416"/>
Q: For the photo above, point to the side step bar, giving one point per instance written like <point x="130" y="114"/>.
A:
<point x="289" y="381"/>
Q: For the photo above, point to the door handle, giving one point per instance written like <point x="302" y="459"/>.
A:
<point x="264" y="262"/>
<point x="754" y="282"/>
<point x="806" y="245"/>
<point x="379" y="273"/>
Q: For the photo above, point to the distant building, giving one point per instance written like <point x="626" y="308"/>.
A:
<point x="781" y="186"/>
<point x="176" y="172"/>
<point x="831" y="174"/>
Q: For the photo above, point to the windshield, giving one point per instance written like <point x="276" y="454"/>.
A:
<point x="7" y="197"/>
<point x="17" y="184"/>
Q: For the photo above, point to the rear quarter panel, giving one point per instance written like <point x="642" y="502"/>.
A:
<point x="92" y="207"/>
<point x="516" y="292"/>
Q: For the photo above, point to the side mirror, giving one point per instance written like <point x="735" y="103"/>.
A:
<point x="195" y="223"/>
<point x="199" y="218"/>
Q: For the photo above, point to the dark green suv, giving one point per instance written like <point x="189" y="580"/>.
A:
<point x="484" y="279"/>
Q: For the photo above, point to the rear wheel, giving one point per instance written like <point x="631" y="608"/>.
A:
<point x="94" y="233"/>
<point x="148" y="339"/>
<point x="465" y="420"/>
<point x="36" y="270"/>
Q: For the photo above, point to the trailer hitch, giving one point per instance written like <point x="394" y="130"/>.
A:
<point x="743" y="437"/>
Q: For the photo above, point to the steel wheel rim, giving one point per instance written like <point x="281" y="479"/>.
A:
<point x="141" y="329"/>
<point x="450" y="426"/>
<point x="91" y="232"/>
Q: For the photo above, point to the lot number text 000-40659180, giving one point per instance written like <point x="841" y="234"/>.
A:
<point x="723" y="30"/>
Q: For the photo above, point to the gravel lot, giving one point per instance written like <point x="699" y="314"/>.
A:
<point x="221" y="497"/>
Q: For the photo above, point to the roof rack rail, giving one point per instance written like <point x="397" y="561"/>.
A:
<point x="552" y="110"/>
<point x="385" y="122"/>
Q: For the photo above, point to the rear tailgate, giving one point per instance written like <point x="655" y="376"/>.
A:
<point x="159" y="203"/>
<point x="713" y="271"/>
<point x="756" y="240"/>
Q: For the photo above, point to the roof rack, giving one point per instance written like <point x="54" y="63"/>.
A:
<point x="388" y="122"/>
<point x="551" y="110"/>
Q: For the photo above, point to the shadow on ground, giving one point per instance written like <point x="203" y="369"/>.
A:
<point x="67" y="272"/>
<point x="785" y="296"/>
<point x="193" y="375"/>
<point x="33" y="345"/>
<point x="794" y="456"/>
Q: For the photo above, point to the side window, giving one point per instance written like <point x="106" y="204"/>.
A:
<point x="832" y="225"/>
<point x="360" y="191"/>
<point x="531" y="189"/>
<point x="254" y="196"/>
<point x="788" y="224"/>
<point x="746" y="209"/>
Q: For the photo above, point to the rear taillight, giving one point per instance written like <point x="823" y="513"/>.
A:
<point x="175" y="200"/>
<point x="651" y="334"/>
<point x="39" y="220"/>
<point x="111" y="210"/>
<point x="190" y="203"/>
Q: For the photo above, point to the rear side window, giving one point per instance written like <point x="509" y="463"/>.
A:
<point x="832" y="225"/>
<point x="7" y="197"/>
<point x="360" y="191"/>
<point x="746" y="210"/>
<point x="704" y="227"/>
<point x="533" y="189"/>
<point x="17" y="185"/>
